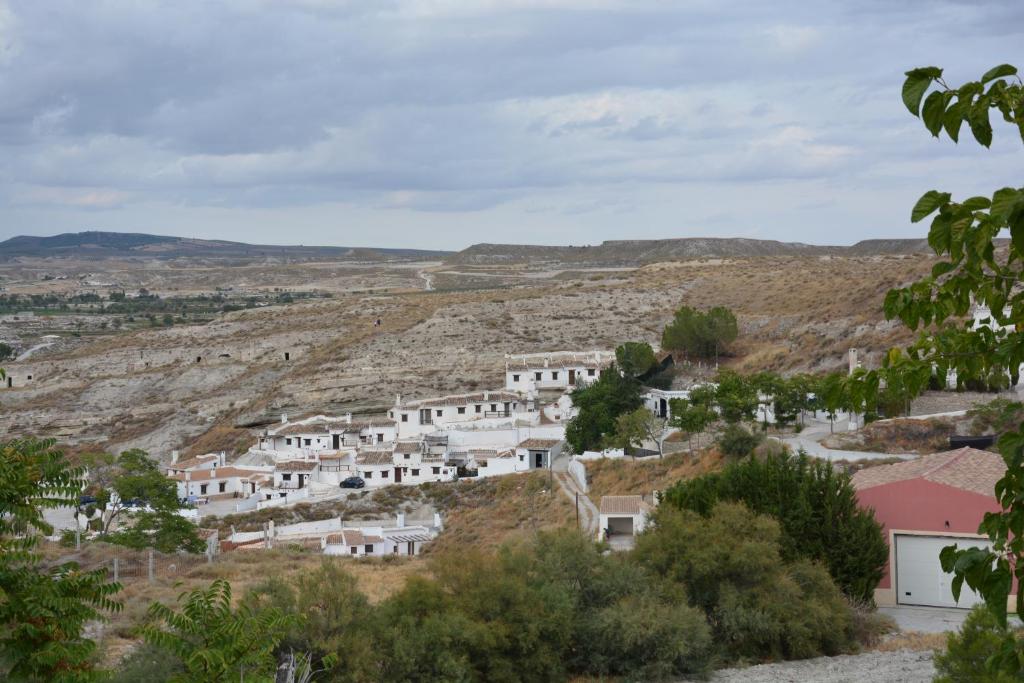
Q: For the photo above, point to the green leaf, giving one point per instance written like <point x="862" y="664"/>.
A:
<point x="999" y="72"/>
<point x="914" y="88"/>
<point x="941" y="268"/>
<point x="976" y="203"/>
<point x="1003" y="202"/>
<point x="934" y="111"/>
<point x="978" y="119"/>
<point x="929" y="201"/>
<point x="953" y="119"/>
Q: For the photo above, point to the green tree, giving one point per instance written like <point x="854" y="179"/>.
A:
<point x="637" y="426"/>
<point x="700" y="334"/>
<point x="969" y="650"/>
<point x="759" y="605"/>
<point x="635" y="358"/>
<point x="815" y="506"/>
<point x="738" y="442"/>
<point x="214" y="642"/>
<point x="43" y="612"/>
<point x="599" y="404"/>
<point x="133" y="486"/>
<point x="735" y="396"/>
<point x="691" y="418"/>
<point x="972" y="270"/>
<point x="6" y="352"/>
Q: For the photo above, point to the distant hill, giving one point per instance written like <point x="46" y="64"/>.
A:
<point x="638" y="252"/>
<point x="99" y="245"/>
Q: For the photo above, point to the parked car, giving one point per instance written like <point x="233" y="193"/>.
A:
<point x="353" y="483"/>
<point x="86" y="500"/>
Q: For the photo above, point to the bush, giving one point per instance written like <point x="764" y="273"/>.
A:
<point x="759" y="606"/>
<point x="148" y="663"/>
<point x="599" y="404"/>
<point x="815" y="505"/>
<point x="737" y="442"/>
<point x="968" y="650"/>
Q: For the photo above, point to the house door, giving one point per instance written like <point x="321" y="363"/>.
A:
<point x="302" y="480"/>
<point x="663" y="412"/>
<point x="411" y="548"/>
<point x="919" y="576"/>
<point x="398" y="475"/>
<point x="538" y="459"/>
<point x="572" y="377"/>
<point x="336" y="441"/>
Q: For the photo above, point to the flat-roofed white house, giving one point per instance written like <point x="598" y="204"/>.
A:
<point x="295" y="474"/>
<point x="538" y="453"/>
<point x="425" y="416"/>
<point x="659" y="401"/>
<point x="561" y="370"/>
<point x="318" y="434"/>
<point x="378" y="541"/>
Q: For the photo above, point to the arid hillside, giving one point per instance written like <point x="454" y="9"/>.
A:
<point x="444" y="328"/>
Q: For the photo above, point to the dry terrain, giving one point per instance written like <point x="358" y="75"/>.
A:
<point x="202" y="387"/>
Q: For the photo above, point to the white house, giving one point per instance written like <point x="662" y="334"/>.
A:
<point x="378" y="541"/>
<point x="221" y="482"/>
<point x="538" y="453"/>
<point x="425" y="416"/>
<point x="562" y="370"/>
<point x="659" y="401"/>
<point x="622" y="518"/>
<point x="295" y="474"/>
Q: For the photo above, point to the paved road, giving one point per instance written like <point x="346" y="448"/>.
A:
<point x="815" y="430"/>
<point x="926" y="619"/>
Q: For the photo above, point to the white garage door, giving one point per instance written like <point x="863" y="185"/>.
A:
<point x="919" y="576"/>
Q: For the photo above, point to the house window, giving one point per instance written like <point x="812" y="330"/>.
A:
<point x="522" y="457"/>
<point x="288" y="441"/>
<point x="380" y="438"/>
<point x="405" y="417"/>
<point x="478" y="407"/>
<point x="515" y="378"/>
<point x="384" y="474"/>
<point x="554" y="375"/>
<point x="435" y="470"/>
<point x="483" y="463"/>
<point x="536" y="376"/>
<point x="354" y="550"/>
<point x="391" y="414"/>
<point x="202" y="489"/>
<point x="308" y="441"/>
<point x="405" y="455"/>
<point x="591" y="372"/>
<point x="439" y="413"/>
<point x="222" y="487"/>
<point x="395" y="550"/>
<point x="367" y="475"/>
<point x="286" y="477"/>
<point x="462" y="410"/>
<point x="494" y="407"/>
<point x="368" y="548"/>
<point x="415" y="473"/>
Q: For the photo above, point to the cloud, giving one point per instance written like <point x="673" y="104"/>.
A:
<point x="528" y="117"/>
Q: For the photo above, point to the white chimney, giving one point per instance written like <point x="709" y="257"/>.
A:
<point x="213" y="473"/>
<point x="487" y="395"/>
<point x="223" y="458"/>
<point x="438" y="524"/>
<point x="174" y="457"/>
<point x="398" y="400"/>
<point x="348" y="418"/>
<point x="188" y="476"/>
<point x="400" y="521"/>
<point x="284" y="418"/>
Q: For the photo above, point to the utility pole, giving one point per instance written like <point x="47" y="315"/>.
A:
<point x="577" y="509"/>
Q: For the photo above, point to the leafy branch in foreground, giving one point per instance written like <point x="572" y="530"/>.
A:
<point x="43" y="611"/>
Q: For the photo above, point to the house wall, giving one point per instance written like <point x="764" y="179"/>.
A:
<point x="234" y="486"/>
<point x="919" y="506"/>
<point x="499" y="466"/>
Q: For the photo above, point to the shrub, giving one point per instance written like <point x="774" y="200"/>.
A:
<point x="759" y="606"/>
<point x="968" y="650"/>
<point x="737" y="442"/>
<point x="599" y="404"/>
<point x="815" y="505"/>
<point x="148" y="663"/>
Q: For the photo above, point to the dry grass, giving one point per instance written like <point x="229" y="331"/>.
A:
<point x="486" y="513"/>
<point x="898" y="436"/>
<point x="912" y="640"/>
<point x="628" y="476"/>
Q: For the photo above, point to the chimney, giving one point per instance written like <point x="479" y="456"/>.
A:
<point x="487" y="396"/>
<point x="398" y="400"/>
<point x="174" y="457"/>
<point x="348" y="418"/>
<point x="284" y="418"/>
<point x="223" y="458"/>
<point x="400" y="521"/>
<point x="188" y="476"/>
<point x="854" y="362"/>
<point x="213" y="473"/>
<point x="270" y="528"/>
<point x="546" y="360"/>
<point x="438" y="523"/>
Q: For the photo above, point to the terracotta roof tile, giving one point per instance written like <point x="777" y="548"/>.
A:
<point x="540" y="444"/>
<point x="297" y="466"/>
<point x="623" y="505"/>
<point x="967" y="468"/>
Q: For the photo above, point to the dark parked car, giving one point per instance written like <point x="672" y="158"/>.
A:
<point x="86" y="500"/>
<point x="353" y="483"/>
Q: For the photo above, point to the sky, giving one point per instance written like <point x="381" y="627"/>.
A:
<point x="443" y="123"/>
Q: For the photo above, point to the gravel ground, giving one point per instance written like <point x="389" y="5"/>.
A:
<point x="904" y="666"/>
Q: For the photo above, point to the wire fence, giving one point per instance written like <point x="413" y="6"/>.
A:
<point x="125" y="564"/>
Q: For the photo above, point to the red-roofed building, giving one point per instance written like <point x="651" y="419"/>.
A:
<point x="924" y="505"/>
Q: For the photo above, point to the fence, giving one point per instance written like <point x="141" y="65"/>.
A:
<point x="124" y="564"/>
